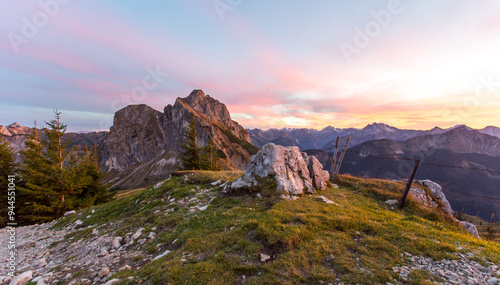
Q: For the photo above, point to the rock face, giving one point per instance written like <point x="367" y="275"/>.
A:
<point x="294" y="171"/>
<point x="144" y="143"/>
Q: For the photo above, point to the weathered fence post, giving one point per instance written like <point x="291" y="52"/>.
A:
<point x="408" y="184"/>
<point x="334" y="158"/>
<point x="337" y="169"/>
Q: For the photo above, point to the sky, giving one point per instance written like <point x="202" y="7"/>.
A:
<point x="409" y="64"/>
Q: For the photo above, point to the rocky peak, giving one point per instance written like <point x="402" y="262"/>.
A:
<point x="14" y="129"/>
<point x="195" y="97"/>
<point x="378" y="127"/>
<point x="146" y="142"/>
<point x="14" y="125"/>
<point x="491" y="130"/>
<point x="208" y="108"/>
<point x="134" y="114"/>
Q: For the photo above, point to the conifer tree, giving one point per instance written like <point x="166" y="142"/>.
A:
<point x="55" y="178"/>
<point x="209" y="156"/>
<point x="191" y="159"/>
<point x="35" y="192"/>
<point x="95" y="191"/>
<point x="65" y="179"/>
<point x="7" y="167"/>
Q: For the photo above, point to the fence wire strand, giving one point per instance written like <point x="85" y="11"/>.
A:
<point x="436" y="165"/>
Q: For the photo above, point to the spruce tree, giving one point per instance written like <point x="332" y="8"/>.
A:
<point x="191" y="159"/>
<point x="62" y="162"/>
<point x="7" y="167"/>
<point x="36" y="191"/>
<point x="209" y="156"/>
<point x="56" y="178"/>
<point x="95" y="191"/>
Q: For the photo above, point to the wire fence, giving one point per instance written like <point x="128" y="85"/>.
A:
<point x="424" y="163"/>
<point x="397" y="158"/>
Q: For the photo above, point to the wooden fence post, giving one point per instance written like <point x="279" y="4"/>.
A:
<point x="341" y="157"/>
<point x="334" y="158"/>
<point x="408" y="184"/>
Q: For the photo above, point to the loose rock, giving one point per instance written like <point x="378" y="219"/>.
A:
<point x="22" y="278"/>
<point x="264" y="257"/>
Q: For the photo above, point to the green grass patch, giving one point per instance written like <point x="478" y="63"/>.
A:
<point x="308" y="241"/>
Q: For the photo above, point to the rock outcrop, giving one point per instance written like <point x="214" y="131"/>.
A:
<point x="143" y="145"/>
<point x="295" y="172"/>
<point x="437" y="198"/>
<point x="471" y="228"/>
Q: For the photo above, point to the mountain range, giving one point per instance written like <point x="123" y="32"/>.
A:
<point x="464" y="161"/>
<point x="326" y="138"/>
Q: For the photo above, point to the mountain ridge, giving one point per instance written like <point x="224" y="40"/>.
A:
<point x="146" y="142"/>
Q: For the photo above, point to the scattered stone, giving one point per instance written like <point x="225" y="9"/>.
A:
<point x="93" y="211"/>
<point x="112" y="281"/>
<point x="264" y="257"/>
<point x="391" y="202"/>
<point x="26" y="244"/>
<point x="41" y="263"/>
<point x="493" y="281"/>
<point x="202" y="208"/>
<point x="103" y="253"/>
<point x="125" y="267"/>
<point x="137" y="234"/>
<point x="461" y="271"/>
<point x="162" y="255"/>
<point x="216" y="183"/>
<point x="152" y="235"/>
<point x="88" y="217"/>
<point x="158" y="185"/>
<point x="79" y="224"/>
<point x="335" y="186"/>
<point x="39" y="280"/>
<point x="69" y="213"/>
<point x="22" y="278"/>
<point x="104" y="272"/>
<point x="117" y="242"/>
<point x="287" y="197"/>
<point x="326" y="200"/>
<point x="142" y="241"/>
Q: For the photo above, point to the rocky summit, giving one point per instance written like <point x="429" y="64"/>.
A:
<point x="295" y="172"/>
<point x="143" y="144"/>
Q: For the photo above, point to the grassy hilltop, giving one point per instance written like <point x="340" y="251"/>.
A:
<point x="236" y="238"/>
